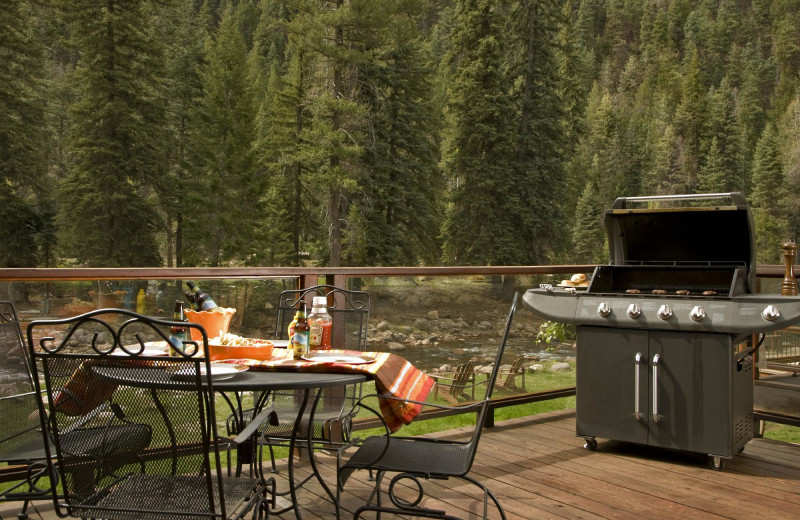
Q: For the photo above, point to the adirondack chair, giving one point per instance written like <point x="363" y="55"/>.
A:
<point x="507" y="378"/>
<point x="462" y="381"/>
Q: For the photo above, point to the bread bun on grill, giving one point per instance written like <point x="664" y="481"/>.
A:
<point x="578" y="278"/>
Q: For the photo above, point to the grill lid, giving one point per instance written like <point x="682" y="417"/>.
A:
<point x="689" y="233"/>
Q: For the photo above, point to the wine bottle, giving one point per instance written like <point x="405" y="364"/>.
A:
<point x="177" y="334"/>
<point x="202" y="301"/>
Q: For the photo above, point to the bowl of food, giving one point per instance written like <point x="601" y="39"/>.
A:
<point x="216" y="321"/>
<point x="231" y="346"/>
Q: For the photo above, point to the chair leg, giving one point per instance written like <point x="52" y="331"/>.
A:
<point x="23" y="514"/>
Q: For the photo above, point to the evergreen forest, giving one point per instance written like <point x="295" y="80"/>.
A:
<point x="383" y="132"/>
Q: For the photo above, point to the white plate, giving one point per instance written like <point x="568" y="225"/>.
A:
<point x="151" y="348"/>
<point x="332" y="357"/>
<point x="219" y="371"/>
<point x="280" y="343"/>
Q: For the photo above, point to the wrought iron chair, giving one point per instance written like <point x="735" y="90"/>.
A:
<point x="21" y="441"/>
<point x="104" y="355"/>
<point x="349" y="310"/>
<point x="416" y="458"/>
<point x="20" y="435"/>
<point x="452" y="387"/>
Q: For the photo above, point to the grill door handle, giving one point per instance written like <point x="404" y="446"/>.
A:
<point x="636" y="367"/>
<point x="656" y="360"/>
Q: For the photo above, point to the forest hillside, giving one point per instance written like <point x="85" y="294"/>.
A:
<point x="383" y="132"/>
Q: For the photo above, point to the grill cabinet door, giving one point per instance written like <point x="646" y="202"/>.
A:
<point x="692" y="400"/>
<point x="607" y="394"/>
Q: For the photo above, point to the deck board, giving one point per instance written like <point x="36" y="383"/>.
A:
<point x="540" y="470"/>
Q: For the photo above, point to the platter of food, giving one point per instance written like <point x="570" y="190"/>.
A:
<point x="231" y="346"/>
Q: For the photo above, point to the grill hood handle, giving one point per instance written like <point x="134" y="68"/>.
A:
<point x="736" y="197"/>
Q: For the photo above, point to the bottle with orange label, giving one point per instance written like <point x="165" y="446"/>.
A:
<point x="319" y="323"/>
<point x="300" y="337"/>
<point x="291" y="328"/>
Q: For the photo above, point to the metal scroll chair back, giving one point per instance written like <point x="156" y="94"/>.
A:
<point x="162" y="461"/>
<point x="21" y="443"/>
<point x="418" y="458"/>
<point x="348" y="309"/>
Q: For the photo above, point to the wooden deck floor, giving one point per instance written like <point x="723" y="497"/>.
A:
<point x="539" y="470"/>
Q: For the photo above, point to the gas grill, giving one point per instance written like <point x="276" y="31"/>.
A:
<point x="664" y="332"/>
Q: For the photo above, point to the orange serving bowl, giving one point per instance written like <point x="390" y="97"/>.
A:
<point x="216" y="322"/>
<point x="260" y="349"/>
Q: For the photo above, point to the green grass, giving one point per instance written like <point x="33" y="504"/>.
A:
<point x="782" y="432"/>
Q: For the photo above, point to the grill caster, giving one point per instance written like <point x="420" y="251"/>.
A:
<point x="718" y="463"/>
<point x="591" y="444"/>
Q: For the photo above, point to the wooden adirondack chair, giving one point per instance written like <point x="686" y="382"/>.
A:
<point x="507" y="378"/>
<point x="459" y="384"/>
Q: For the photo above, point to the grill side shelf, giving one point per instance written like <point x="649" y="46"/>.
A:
<point x="555" y="305"/>
<point x="740" y="315"/>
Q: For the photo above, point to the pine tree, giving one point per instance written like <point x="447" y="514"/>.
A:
<point x="712" y="178"/>
<point x="399" y="200"/>
<point x="722" y="128"/>
<point x="115" y="156"/>
<point x="690" y="119"/>
<point x="338" y="37"/>
<point x="228" y="182"/>
<point x="768" y="197"/>
<point x="587" y="234"/>
<point x="789" y="132"/>
<point x="183" y="33"/>
<point x="541" y="141"/>
<point x="22" y="170"/>
<point x="483" y="209"/>
<point x="285" y="153"/>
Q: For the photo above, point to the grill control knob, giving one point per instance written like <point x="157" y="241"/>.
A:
<point x="771" y="313"/>
<point x="697" y="314"/>
<point x="664" y="312"/>
<point x="604" y="309"/>
<point x="634" y="311"/>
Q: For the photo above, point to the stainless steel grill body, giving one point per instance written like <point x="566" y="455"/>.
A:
<point x="662" y="331"/>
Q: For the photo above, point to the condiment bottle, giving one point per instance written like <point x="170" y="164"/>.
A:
<point x="301" y="335"/>
<point x="200" y="300"/>
<point x="177" y="334"/>
<point x="319" y="324"/>
<point x="290" y="330"/>
<point x="141" y="301"/>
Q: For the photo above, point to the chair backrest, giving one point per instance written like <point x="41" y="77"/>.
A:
<point x="20" y="438"/>
<point x="165" y="424"/>
<point x="490" y="383"/>
<point x="463" y="374"/>
<point x="348" y="309"/>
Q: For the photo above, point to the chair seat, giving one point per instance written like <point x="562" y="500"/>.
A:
<point x="183" y="494"/>
<point x="118" y="440"/>
<point x="427" y="457"/>
<point x="31" y="450"/>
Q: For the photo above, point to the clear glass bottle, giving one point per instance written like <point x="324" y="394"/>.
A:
<point x="319" y="324"/>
